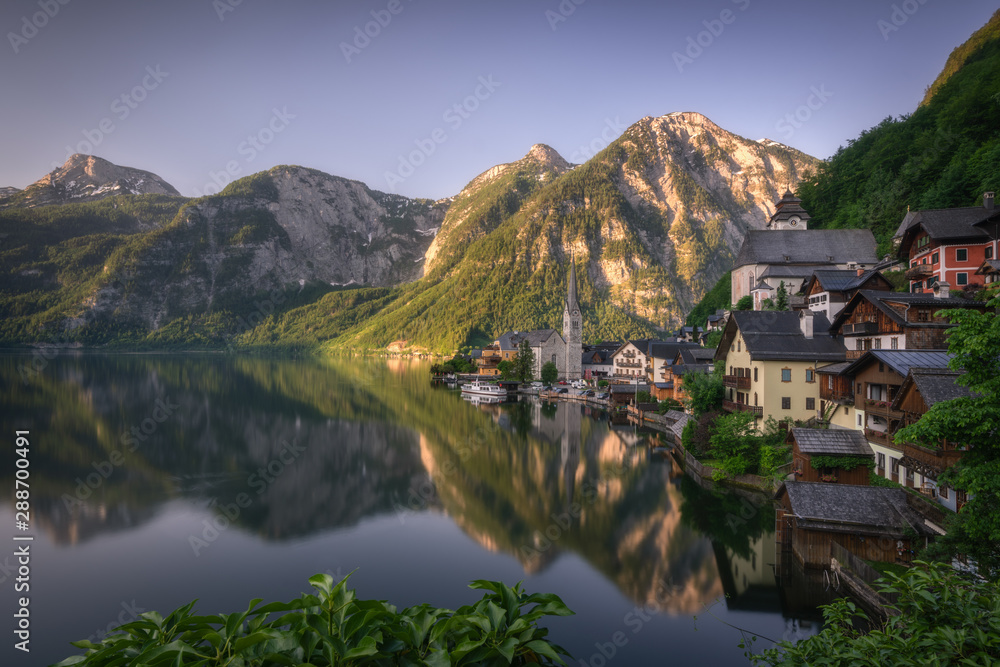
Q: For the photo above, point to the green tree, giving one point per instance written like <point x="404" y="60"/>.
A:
<point x="524" y="363"/>
<point x="944" y="619"/>
<point x="735" y="443"/>
<point x="704" y="391"/>
<point x="506" y="368"/>
<point x="712" y="339"/>
<point x="550" y="373"/>
<point x="781" y="298"/>
<point x="975" y="422"/>
<point x="745" y="303"/>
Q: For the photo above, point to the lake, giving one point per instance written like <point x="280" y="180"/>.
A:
<point x="159" y="479"/>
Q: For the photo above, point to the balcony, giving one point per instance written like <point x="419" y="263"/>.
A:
<point x="628" y="364"/>
<point x="919" y="272"/>
<point x="731" y="406"/>
<point x="736" y="382"/>
<point x="932" y="460"/>
<point x="844" y="397"/>
<point x="881" y="437"/>
<point x="859" y="328"/>
<point x="877" y="407"/>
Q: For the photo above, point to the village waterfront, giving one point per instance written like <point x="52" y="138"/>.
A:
<point x="159" y="479"/>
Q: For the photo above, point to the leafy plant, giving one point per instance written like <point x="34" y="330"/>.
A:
<point x="333" y="627"/>
<point x="549" y="373"/>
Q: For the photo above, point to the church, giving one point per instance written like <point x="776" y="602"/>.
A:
<point x="564" y="350"/>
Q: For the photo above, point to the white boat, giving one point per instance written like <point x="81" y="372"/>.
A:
<point x="478" y="388"/>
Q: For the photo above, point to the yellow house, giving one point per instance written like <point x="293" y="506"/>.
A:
<point x="771" y="359"/>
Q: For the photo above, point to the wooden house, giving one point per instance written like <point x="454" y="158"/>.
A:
<point x="831" y="456"/>
<point x="873" y="522"/>
<point x="828" y="291"/>
<point x="948" y="245"/>
<point x="896" y="321"/>
<point x="921" y="389"/>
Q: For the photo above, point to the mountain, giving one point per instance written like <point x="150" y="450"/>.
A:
<point x="163" y="269"/>
<point x="86" y="178"/>
<point x="652" y="222"/>
<point x="943" y="155"/>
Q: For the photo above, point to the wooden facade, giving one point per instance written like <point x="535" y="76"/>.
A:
<point x="806" y="472"/>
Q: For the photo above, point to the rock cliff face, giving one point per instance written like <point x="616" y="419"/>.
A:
<point x="86" y="178"/>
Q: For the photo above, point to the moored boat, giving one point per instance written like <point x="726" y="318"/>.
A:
<point x="478" y="388"/>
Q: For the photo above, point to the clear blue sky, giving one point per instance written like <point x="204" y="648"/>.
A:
<point x="224" y="67"/>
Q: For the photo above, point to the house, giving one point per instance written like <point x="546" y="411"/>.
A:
<point x="990" y="270"/>
<point x="630" y="361"/>
<point x="836" y="396"/>
<point x="596" y="363"/>
<point x="829" y="291"/>
<point x="789" y="252"/>
<point x="661" y="355"/>
<point x="873" y="522"/>
<point x="689" y="335"/>
<point x="717" y="320"/>
<point x="817" y="452"/>
<point x="687" y="360"/>
<point x="897" y="320"/>
<point x="877" y="377"/>
<point x="948" y="245"/>
<point x="771" y="359"/>
<point x="923" y="388"/>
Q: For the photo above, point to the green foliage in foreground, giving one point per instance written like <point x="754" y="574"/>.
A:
<point x="944" y="619"/>
<point x="335" y="628"/>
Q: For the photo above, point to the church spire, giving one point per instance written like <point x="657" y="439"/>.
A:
<point x="571" y="303"/>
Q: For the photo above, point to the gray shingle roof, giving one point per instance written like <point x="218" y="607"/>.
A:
<point x="948" y="223"/>
<point x="811" y="246"/>
<point x="846" y="505"/>
<point x="988" y="265"/>
<point x="832" y="442"/>
<point x="677" y="428"/>
<point x="695" y="355"/>
<point x="842" y="280"/>
<point x="884" y="301"/>
<point x="901" y="361"/>
<point x="936" y="385"/>
<point x="669" y="350"/>
<point x="512" y="339"/>
<point x="835" y="369"/>
<point x="777" y="335"/>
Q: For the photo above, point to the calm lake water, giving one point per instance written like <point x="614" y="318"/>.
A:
<point x="158" y="479"/>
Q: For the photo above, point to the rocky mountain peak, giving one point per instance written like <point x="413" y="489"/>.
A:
<point x="548" y="157"/>
<point x="86" y="178"/>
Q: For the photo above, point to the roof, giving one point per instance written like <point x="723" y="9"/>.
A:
<point x="663" y="385"/>
<point x="477" y="354"/>
<point x="849" y="506"/>
<point x="695" y="355"/>
<point x="596" y="357"/>
<point x="512" y="339"/>
<point x="677" y="428"/>
<point x="669" y="350"/>
<point x="883" y="301"/>
<point x="901" y="361"/>
<point x="628" y="388"/>
<point x="947" y="223"/>
<point x="776" y="335"/>
<point x="789" y="205"/>
<point x="808" y="246"/>
<point x="571" y="303"/>
<point x="842" y="280"/>
<point x="835" y="369"/>
<point x="832" y="442"/>
<point x="935" y="385"/>
<point x="989" y="266"/>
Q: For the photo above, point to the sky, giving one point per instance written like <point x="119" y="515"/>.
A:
<point x="417" y="97"/>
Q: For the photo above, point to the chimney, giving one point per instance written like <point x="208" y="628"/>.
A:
<point x="861" y="272"/>
<point x="806" y="322"/>
<point x="942" y="290"/>
<point x="988" y="201"/>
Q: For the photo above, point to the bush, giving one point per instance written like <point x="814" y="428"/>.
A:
<point x="335" y="628"/>
<point x="745" y="303"/>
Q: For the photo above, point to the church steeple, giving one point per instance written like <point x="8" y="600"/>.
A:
<point x="571" y="304"/>
<point x="572" y="328"/>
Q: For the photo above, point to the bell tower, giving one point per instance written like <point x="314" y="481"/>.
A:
<point x="572" y="329"/>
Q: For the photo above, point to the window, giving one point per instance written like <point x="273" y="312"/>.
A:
<point x="894" y="464"/>
<point x="878" y="343"/>
<point x="961" y="278"/>
<point x="881" y="461"/>
<point x="894" y="343"/>
<point x="858" y="344"/>
<point x="917" y="286"/>
<point x="810" y="404"/>
<point x="786" y="374"/>
<point x="934" y="258"/>
<point x="810" y="375"/>
<point x="961" y="255"/>
<point x="755" y="398"/>
<point x="754" y="373"/>
<point x="989" y="252"/>
<point x="829" y="382"/>
<point x="786" y="403"/>
<point x="943" y="492"/>
<point x="859" y="420"/>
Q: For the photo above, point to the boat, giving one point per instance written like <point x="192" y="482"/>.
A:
<point x="478" y="388"/>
